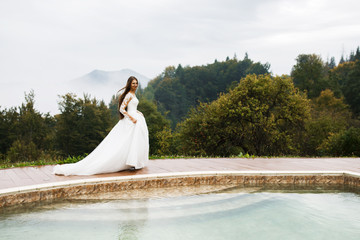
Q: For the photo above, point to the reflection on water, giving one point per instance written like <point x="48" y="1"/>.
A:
<point x="232" y="213"/>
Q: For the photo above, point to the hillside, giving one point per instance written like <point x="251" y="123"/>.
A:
<point x="176" y="90"/>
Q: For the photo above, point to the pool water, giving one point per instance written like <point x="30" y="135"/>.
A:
<point x="218" y="215"/>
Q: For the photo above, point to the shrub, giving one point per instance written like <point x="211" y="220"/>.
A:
<point x="20" y="151"/>
<point x="346" y="143"/>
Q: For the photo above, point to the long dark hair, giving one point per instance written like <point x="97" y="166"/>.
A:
<point x="122" y="96"/>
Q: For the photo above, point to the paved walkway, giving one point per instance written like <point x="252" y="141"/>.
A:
<point x="25" y="176"/>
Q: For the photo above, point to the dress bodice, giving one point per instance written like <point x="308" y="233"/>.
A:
<point x="132" y="105"/>
<point x="129" y="104"/>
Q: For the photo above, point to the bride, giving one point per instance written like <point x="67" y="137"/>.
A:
<point x="125" y="147"/>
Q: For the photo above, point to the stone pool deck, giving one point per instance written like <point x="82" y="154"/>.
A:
<point x="27" y="176"/>
<point x="29" y="184"/>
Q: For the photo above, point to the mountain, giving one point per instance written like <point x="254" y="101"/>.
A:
<point x="111" y="77"/>
<point x="104" y="84"/>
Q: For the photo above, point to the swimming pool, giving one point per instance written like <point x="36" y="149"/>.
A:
<point x="230" y="213"/>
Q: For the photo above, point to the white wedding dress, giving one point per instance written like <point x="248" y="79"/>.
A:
<point x="126" y="146"/>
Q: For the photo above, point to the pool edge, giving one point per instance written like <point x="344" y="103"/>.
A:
<point x="65" y="189"/>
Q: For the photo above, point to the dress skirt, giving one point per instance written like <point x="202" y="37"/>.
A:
<point x="126" y="146"/>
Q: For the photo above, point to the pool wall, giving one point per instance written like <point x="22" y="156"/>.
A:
<point x="67" y="189"/>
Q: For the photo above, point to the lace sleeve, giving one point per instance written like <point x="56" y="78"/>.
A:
<point x="125" y="102"/>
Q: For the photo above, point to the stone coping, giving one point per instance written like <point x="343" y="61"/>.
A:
<point x="71" y="188"/>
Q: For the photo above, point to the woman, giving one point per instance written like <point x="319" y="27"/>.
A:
<point x="125" y="147"/>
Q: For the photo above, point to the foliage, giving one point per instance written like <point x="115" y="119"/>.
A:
<point x="113" y="107"/>
<point x="176" y="90"/>
<point x="344" y="143"/>
<point x="8" y="121"/>
<point x="23" y="151"/>
<point x="82" y="124"/>
<point x="309" y="74"/>
<point x="167" y="140"/>
<point x="72" y="159"/>
<point x="347" y="75"/>
<point x="43" y="159"/>
<point x="263" y="115"/>
<point x="25" y="132"/>
<point x="156" y="123"/>
<point x="329" y="115"/>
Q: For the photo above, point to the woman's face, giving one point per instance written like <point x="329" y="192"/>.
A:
<point x="134" y="85"/>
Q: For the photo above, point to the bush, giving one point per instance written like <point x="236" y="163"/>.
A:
<point x="346" y="143"/>
<point x="20" y="151"/>
<point x="263" y="115"/>
<point x="329" y="115"/>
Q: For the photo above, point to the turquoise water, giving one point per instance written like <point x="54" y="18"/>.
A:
<point x="219" y="215"/>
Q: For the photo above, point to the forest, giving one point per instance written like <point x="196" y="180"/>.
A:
<point x="226" y="108"/>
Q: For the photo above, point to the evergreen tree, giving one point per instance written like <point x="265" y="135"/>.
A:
<point x="8" y="132"/>
<point x="352" y="56"/>
<point x="82" y="124"/>
<point x="176" y="90"/>
<point x="29" y="133"/>
<point x="347" y="76"/>
<point x="357" y="54"/>
<point x="332" y="63"/>
<point x="309" y="74"/>
<point x="342" y="60"/>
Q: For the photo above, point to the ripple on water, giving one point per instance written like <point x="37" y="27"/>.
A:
<point x="231" y="213"/>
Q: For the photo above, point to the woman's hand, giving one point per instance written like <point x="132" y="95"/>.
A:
<point x="134" y="120"/>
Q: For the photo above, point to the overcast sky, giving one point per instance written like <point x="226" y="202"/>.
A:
<point x="45" y="43"/>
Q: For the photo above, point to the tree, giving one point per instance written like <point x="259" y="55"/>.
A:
<point x="156" y="124"/>
<point x="25" y="132"/>
<point x="176" y="90"/>
<point x="342" y="60"/>
<point x="332" y="63"/>
<point x="32" y="125"/>
<point x="166" y="142"/>
<point x="309" y="74"/>
<point x="345" y="143"/>
<point x="113" y="107"/>
<point x="329" y="115"/>
<point x="357" y="54"/>
<point x="351" y="88"/>
<point x="8" y="121"/>
<point x="263" y="115"/>
<point x="82" y="124"/>
<point x="347" y="76"/>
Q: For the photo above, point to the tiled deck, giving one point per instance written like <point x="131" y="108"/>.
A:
<point x="27" y="176"/>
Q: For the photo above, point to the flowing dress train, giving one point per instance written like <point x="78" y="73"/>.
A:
<point x="126" y="146"/>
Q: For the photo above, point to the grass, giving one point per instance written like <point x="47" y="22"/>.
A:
<point x="40" y="162"/>
<point x="70" y="159"/>
<point x="74" y="159"/>
<point x="6" y="164"/>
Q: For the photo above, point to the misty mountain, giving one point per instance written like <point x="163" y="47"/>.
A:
<point x="104" y="84"/>
<point x="119" y="78"/>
